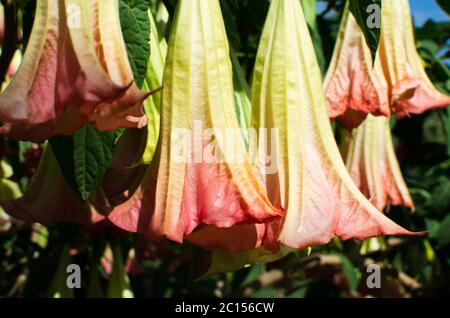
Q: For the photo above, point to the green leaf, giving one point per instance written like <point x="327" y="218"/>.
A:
<point x="84" y="157"/>
<point x="350" y="272"/>
<point x="230" y="25"/>
<point x="429" y="45"/>
<point x="442" y="234"/>
<point x="445" y="5"/>
<point x="58" y="286"/>
<point x="368" y="15"/>
<point x="95" y="288"/>
<point x="136" y="29"/>
<point x="119" y="283"/>
<point x="440" y="199"/>
<point x="268" y="292"/>
<point x="298" y="293"/>
<point x="310" y="11"/>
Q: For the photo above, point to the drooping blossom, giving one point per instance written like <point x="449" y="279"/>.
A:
<point x="312" y="184"/>
<point x="49" y="198"/>
<point x="183" y="187"/>
<point x="75" y="70"/>
<point x="372" y="163"/>
<point x="120" y="181"/>
<point x="395" y="83"/>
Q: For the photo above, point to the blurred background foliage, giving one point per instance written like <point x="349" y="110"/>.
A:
<point x="117" y="264"/>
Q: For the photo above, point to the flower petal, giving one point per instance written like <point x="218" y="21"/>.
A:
<point x="373" y="165"/>
<point x="49" y="199"/>
<point x="177" y="196"/>
<point x="312" y="183"/>
<point x="70" y="75"/>
<point x="353" y="89"/>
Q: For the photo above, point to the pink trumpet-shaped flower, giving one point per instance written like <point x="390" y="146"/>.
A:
<point x="397" y="82"/>
<point x="183" y="191"/>
<point x="49" y="198"/>
<point x="75" y="70"/>
<point x="312" y="184"/>
<point x="371" y="161"/>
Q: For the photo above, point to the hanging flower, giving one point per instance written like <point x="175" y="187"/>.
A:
<point x="120" y="181"/>
<point x="75" y="70"/>
<point x="371" y="161"/>
<point x="311" y="181"/>
<point x="397" y="82"/>
<point x="49" y="198"/>
<point x="185" y="186"/>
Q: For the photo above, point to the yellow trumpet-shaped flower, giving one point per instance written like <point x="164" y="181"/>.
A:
<point x="371" y="161"/>
<point x="187" y="185"/>
<point x="397" y="82"/>
<point x="311" y="183"/>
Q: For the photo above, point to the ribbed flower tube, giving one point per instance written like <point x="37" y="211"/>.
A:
<point x="75" y="70"/>
<point x="395" y="83"/>
<point x="372" y="163"/>
<point x="311" y="183"/>
<point x="184" y="188"/>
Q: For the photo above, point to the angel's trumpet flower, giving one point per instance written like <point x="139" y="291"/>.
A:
<point x="185" y="186"/>
<point x="311" y="182"/>
<point x="353" y="88"/>
<point x="49" y="198"/>
<point x="397" y="82"/>
<point x="371" y="161"/>
<point x="75" y="70"/>
<point x="411" y="91"/>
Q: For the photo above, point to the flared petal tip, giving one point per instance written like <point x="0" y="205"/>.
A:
<point x="416" y="96"/>
<point x="396" y="231"/>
